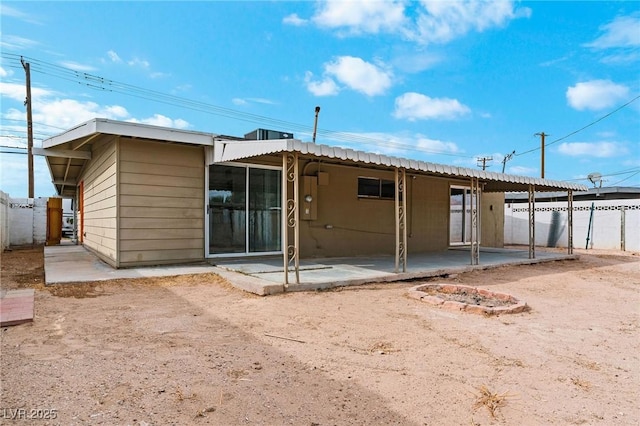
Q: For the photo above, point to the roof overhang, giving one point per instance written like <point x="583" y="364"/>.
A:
<point x="226" y="150"/>
<point x="68" y="152"/>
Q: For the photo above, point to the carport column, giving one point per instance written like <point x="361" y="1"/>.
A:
<point x="401" y="220"/>
<point x="475" y="240"/>
<point x="532" y="222"/>
<point x="570" y="222"/>
<point x="290" y="253"/>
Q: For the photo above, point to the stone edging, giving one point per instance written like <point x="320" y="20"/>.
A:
<point x="515" y="307"/>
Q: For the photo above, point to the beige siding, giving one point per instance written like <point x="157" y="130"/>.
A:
<point x="361" y="226"/>
<point x="492" y="219"/>
<point x="161" y="203"/>
<point x="100" y="223"/>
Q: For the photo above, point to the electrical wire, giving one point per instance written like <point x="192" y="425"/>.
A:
<point x="627" y="178"/>
<point x="621" y="172"/>
<point x="103" y="84"/>
<point x="582" y="128"/>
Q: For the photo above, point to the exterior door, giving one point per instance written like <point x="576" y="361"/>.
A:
<point x="244" y="210"/>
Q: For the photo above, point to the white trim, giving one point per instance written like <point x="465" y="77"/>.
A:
<point x="124" y="128"/>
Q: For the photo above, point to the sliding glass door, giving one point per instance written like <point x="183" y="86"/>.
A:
<point x="244" y="210"/>
<point x="459" y="215"/>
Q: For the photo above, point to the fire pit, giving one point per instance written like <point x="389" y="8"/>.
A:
<point x="468" y="299"/>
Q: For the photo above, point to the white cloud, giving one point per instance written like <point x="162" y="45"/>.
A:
<point x="398" y="144"/>
<point x="623" y="31"/>
<point x="11" y="42"/>
<point x="596" y="94"/>
<point x="360" y="16"/>
<point x="416" y="62"/>
<point x="324" y="87"/>
<point x="436" y="146"/>
<point x="17" y="91"/>
<point x="4" y="73"/>
<point x="77" y="67"/>
<point x="12" y="12"/>
<point x="621" y="58"/>
<point x="161" y="120"/>
<point x="593" y="149"/>
<point x="294" y="20"/>
<point x="416" y="106"/>
<point x="443" y="21"/>
<point x="113" y="56"/>
<point x="436" y="21"/>
<point x="522" y="170"/>
<point x="245" y="101"/>
<point x="358" y="75"/>
<point x="51" y="110"/>
<point x="137" y="62"/>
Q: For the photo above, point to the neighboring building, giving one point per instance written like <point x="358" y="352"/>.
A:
<point x="148" y="195"/>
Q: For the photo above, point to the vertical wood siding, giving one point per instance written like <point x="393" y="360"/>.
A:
<point x="161" y="203"/>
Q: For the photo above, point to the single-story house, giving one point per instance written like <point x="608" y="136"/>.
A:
<point x="150" y="195"/>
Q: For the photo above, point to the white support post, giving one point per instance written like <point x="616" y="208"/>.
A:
<point x="570" y="222"/>
<point x="623" y="244"/>
<point x="532" y="222"/>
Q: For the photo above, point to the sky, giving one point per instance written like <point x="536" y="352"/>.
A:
<point x="442" y="81"/>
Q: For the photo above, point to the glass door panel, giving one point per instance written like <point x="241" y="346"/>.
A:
<point x="265" y="210"/>
<point x="227" y="209"/>
<point x="459" y="215"/>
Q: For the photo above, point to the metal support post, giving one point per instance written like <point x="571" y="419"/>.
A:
<point x="401" y="219"/>
<point x="290" y="220"/>
<point x="623" y="245"/>
<point x="532" y="222"/>
<point x="475" y="244"/>
<point x="570" y="222"/>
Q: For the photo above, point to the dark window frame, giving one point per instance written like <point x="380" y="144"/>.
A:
<point x="376" y="188"/>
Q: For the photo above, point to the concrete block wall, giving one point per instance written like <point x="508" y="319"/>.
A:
<point x="551" y="224"/>
<point x="26" y="222"/>
<point x="4" y="221"/>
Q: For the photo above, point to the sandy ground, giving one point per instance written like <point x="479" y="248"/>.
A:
<point x="194" y="350"/>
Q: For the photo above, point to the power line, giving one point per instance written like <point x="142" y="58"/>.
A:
<point x="618" y="173"/>
<point x="584" y="127"/>
<point x="103" y="84"/>
<point x="627" y="178"/>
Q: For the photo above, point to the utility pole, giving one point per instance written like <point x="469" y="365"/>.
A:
<point x="483" y="161"/>
<point x="507" y="158"/>
<point x="542" y="135"/>
<point x="27" y="102"/>
<point x="315" y="124"/>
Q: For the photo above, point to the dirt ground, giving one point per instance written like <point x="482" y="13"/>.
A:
<point x="194" y="350"/>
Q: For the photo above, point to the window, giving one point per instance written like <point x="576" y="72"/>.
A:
<point x="376" y="188"/>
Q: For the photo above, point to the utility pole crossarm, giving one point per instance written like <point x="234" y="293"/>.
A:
<point x="482" y="162"/>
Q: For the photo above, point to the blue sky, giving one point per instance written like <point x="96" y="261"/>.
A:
<point x="446" y="82"/>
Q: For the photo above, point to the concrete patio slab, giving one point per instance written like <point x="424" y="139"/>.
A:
<point x="265" y="275"/>
<point x="74" y="263"/>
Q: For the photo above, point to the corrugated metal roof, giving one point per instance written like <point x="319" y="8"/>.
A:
<point x="225" y="150"/>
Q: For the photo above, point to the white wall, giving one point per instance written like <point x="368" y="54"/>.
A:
<point x="606" y="224"/>
<point x="4" y="221"/>
<point x="27" y="221"/>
